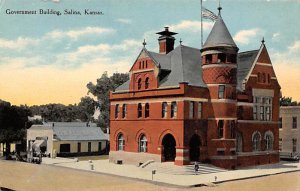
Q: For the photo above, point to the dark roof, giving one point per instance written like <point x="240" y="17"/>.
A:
<point x="219" y="35"/>
<point x="245" y="61"/>
<point x="185" y="66"/>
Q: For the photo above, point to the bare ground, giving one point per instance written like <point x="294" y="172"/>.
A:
<point x="24" y="176"/>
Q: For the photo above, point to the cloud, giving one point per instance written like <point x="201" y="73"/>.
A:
<point x="75" y="34"/>
<point x="244" y="36"/>
<point x="275" y="36"/>
<point x="191" y="26"/>
<point x="295" y="47"/>
<point x="19" y="43"/>
<point x="124" y="21"/>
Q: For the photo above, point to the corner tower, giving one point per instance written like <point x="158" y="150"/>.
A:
<point x="219" y="67"/>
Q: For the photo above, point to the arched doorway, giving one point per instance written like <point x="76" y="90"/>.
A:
<point x="195" y="148"/>
<point x="169" y="148"/>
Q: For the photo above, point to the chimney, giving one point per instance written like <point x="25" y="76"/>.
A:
<point x="166" y="41"/>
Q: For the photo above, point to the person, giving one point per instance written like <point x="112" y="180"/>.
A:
<point x="196" y="167"/>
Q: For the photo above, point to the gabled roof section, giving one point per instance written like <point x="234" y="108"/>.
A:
<point x="185" y="67"/>
<point x="163" y="60"/>
<point x="245" y="62"/>
<point x="219" y="36"/>
<point x="145" y="51"/>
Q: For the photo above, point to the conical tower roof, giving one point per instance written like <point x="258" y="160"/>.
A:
<point x="219" y="36"/>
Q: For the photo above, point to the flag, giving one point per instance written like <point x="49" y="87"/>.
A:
<point x="207" y="14"/>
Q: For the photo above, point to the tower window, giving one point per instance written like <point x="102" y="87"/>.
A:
<point x="208" y="58"/>
<point x="140" y="111"/>
<point x="221" y="91"/>
<point x="124" y="111"/>
<point x="117" y="111"/>
<point x="147" y="110"/>
<point x="222" y="58"/>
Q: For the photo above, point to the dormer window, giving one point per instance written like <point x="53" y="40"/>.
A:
<point x="139" y="84"/>
<point x="221" y="58"/>
<point x="147" y="83"/>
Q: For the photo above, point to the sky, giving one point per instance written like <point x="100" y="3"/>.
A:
<point x="49" y="58"/>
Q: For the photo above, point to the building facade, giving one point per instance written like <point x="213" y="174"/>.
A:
<point x="212" y="105"/>
<point x="66" y="139"/>
<point x="289" y="133"/>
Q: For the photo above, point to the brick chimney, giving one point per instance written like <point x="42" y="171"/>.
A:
<point x="166" y="41"/>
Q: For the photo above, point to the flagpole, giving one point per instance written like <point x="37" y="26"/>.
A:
<point x="201" y="25"/>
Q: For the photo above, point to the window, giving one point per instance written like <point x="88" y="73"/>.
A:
<point x="294" y="145"/>
<point x="143" y="64"/>
<point x="232" y="129"/>
<point x="199" y="110"/>
<point x="280" y="123"/>
<point x="220" y="129"/>
<point x="264" y="78"/>
<point x="280" y="144"/>
<point x="269" y="138"/>
<point x="164" y="110"/>
<point x="269" y="79"/>
<point x="191" y="110"/>
<point x="140" y="65"/>
<point x="255" y="112"/>
<point x="173" y="110"/>
<point x="147" y="112"/>
<point x="262" y="113"/>
<point x="208" y="58"/>
<point x="139" y="83"/>
<point x="239" y="142"/>
<point x="258" y="77"/>
<point x="143" y="144"/>
<point x="268" y="113"/>
<point x="222" y="58"/>
<point x="117" y="111"/>
<point x="124" y="111"/>
<point x="221" y="91"/>
<point x="294" y="122"/>
<point x="140" y="110"/>
<point x="256" y="141"/>
<point x="146" y="64"/>
<point x="99" y="146"/>
<point x="78" y="147"/>
<point x="120" y="143"/>
<point x="147" y="83"/>
<point x="89" y="147"/>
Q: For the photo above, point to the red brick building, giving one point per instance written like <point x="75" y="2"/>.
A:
<point x="212" y="105"/>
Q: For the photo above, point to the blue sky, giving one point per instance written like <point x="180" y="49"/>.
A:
<point x="57" y="56"/>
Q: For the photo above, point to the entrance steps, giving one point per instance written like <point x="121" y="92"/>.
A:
<point x="170" y="168"/>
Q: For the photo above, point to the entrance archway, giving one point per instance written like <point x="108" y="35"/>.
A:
<point x="169" y="145"/>
<point x="195" y="143"/>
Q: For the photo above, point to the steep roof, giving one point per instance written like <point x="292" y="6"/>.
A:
<point x="219" y="36"/>
<point x="245" y="62"/>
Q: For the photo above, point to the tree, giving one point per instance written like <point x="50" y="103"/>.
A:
<point x="87" y="107"/>
<point x="13" y="123"/>
<point x="287" y="101"/>
<point x="101" y="90"/>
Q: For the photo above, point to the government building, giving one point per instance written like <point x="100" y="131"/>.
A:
<point x="212" y="105"/>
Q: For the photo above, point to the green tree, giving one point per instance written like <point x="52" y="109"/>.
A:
<point x="13" y="123"/>
<point x="288" y="101"/>
<point x="101" y="90"/>
<point x="87" y="107"/>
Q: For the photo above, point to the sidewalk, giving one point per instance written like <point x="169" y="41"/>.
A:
<point x="175" y="175"/>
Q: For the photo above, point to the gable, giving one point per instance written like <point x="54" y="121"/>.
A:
<point x="143" y="62"/>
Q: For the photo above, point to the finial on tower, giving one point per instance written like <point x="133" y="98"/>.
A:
<point x="144" y="43"/>
<point x="219" y="8"/>
<point x="263" y="40"/>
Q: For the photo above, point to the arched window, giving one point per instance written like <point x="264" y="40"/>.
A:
<point x="143" y="144"/>
<point x="140" y="110"/>
<point x="117" y="111"/>
<point x="256" y="138"/>
<point x="173" y="109"/>
<point x="269" y="138"/>
<point x="258" y="77"/>
<point x="120" y="142"/>
<point x="139" y="83"/>
<point x="164" y="110"/>
<point x="147" y="83"/>
<point x="124" y="111"/>
<point x="264" y="78"/>
<point x="220" y="128"/>
<point x="147" y="110"/>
